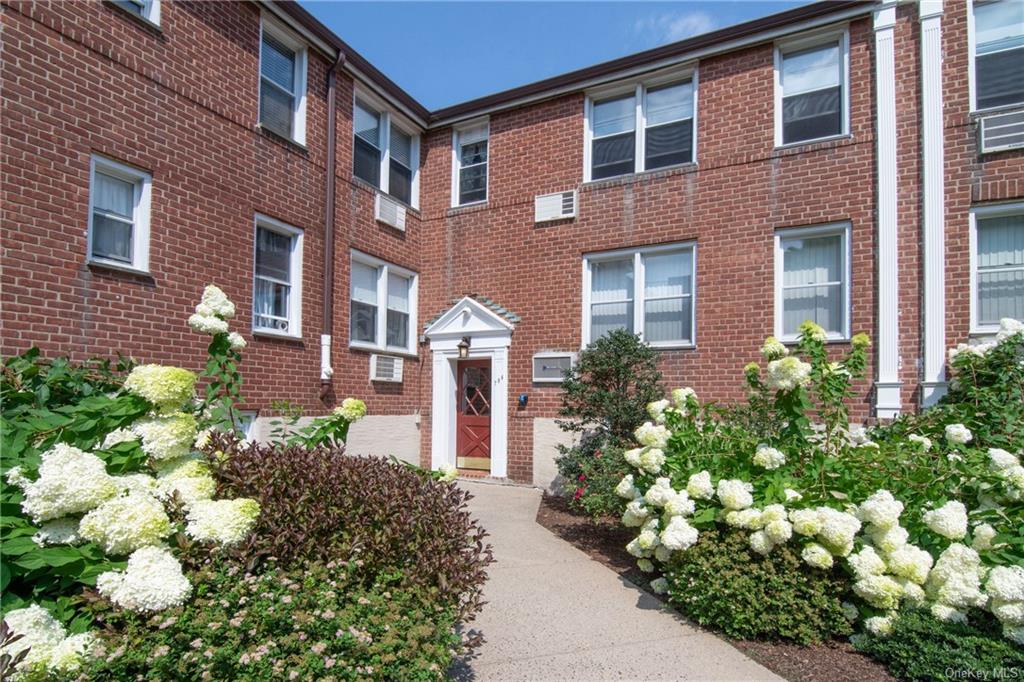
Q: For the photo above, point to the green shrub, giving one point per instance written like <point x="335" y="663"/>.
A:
<point x="921" y="647"/>
<point x="591" y="471"/>
<point x="721" y="583"/>
<point x="309" y="622"/>
<point x="319" y="504"/>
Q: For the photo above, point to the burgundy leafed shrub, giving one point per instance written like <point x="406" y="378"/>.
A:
<point x="318" y="503"/>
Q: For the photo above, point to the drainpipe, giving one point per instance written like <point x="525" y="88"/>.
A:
<point x="326" y="371"/>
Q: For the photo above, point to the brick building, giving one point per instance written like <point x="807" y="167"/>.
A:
<point x="859" y="163"/>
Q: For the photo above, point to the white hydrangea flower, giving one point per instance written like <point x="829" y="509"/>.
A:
<point x="138" y="482"/>
<point x="879" y="591"/>
<point x="70" y="482"/>
<point x="787" y="374"/>
<point x="237" y="341"/>
<point x="678" y="534"/>
<point x="958" y="433"/>
<point x="645" y="565"/>
<point x="216" y="302"/>
<point x="817" y="556"/>
<point x="1001" y="460"/>
<point x="682" y="397"/>
<point x="761" y="543"/>
<point x="748" y="519"/>
<point x="955" y="580"/>
<point x="58" y="532"/>
<point x="792" y="495"/>
<point x="735" y="494"/>
<point x="837" y="530"/>
<point x="651" y="460"/>
<point x="225" y="522"/>
<point x="879" y="626"/>
<point x="40" y="633"/>
<point x="657" y="495"/>
<point x="924" y="441"/>
<point x="881" y="510"/>
<point x="649" y="538"/>
<point x="982" y="537"/>
<point x="187" y="477"/>
<point x="914" y="595"/>
<point x="153" y="581"/>
<point x="659" y="586"/>
<point x="778" y="530"/>
<point x="636" y="514"/>
<point x="656" y="410"/>
<point x="352" y="409"/>
<point x="203" y="438"/>
<point x="652" y="435"/>
<point x="1009" y="327"/>
<point x="71" y="652"/>
<point x="887" y="539"/>
<point x="850" y="612"/>
<point x="813" y="330"/>
<point x="448" y="472"/>
<point x="123" y="524"/>
<point x="947" y="613"/>
<point x="910" y="562"/>
<point x="167" y="388"/>
<point x="773" y="349"/>
<point x="806" y="521"/>
<point x="118" y="436"/>
<point x="1006" y="583"/>
<point x="626" y="489"/>
<point x="634" y="549"/>
<point x="679" y="504"/>
<point x="768" y="458"/>
<point x="699" y="486"/>
<point x="167" y="436"/>
<point x="1009" y="613"/>
<point x="866" y="563"/>
<point x="632" y="457"/>
<point x="662" y="553"/>
<point x="949" y="520"/>
<point x="207" y="324"/>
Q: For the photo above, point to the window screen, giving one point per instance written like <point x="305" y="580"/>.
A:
<point x="273" y="283"/>
<point x="364" y="303"/>
<point x="400" y="167"/>
<point x="113" y="208"/>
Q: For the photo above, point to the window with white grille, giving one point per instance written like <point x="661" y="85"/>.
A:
<point x="811" y="89"/>
<point x="119" y="198"/>
<point x="469" y="164"/>
<point x="386" y="151"/>
<point x="277" y="278"/>
<point x="812" y="280"/>
<point x="383" y="305"/>
<point x="998" y="53"/>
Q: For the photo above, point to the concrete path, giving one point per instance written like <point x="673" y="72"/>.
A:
<point x="553" y="613"/>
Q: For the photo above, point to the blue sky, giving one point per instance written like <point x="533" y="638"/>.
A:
<point x="448" y="52"/>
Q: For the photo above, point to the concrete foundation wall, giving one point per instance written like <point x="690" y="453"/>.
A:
<point x="380" y="435"/>
<point x="546" y="439"/>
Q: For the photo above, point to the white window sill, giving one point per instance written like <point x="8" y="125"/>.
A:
<point x="471" y="204"/>
<point x="793" y="340"/>
<point x="371" y="348"/>
<point x="281" y="136"/>
<point x="1005" y="109"/>
<point x="120" y="267"/>
<point x="686" y="345"/>
<point x="639" y="175"/>
<point x="984" y="333"/>
<point x="274" y="334"/>
<point x="817" y="140"/>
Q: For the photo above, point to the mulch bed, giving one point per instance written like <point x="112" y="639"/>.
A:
<point x="606" y="541"/>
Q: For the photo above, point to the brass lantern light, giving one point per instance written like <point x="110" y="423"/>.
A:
<point x="464" y="348"/>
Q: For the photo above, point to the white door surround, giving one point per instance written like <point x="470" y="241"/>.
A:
<point x="490" y="336"/>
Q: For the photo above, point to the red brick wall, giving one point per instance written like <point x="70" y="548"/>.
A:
<point x="971" y="179"/>
<point x="731" y="206"/>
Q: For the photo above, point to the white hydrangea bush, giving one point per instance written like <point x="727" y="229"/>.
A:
<point x="932" y="543"/>
<point x="74" y="501"/>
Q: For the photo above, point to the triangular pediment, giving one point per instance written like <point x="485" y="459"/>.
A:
<point x="466" y="317"/>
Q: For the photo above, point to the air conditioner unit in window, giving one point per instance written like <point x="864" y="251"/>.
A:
<point x="557" y="206"/>
<point x="386" y="368"/>
<point x="389" y="212"/>
<point x="999" y="132"/>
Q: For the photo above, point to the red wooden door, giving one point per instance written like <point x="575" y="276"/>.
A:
<point x="473" y="418"/>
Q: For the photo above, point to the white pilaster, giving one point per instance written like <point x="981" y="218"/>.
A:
<point x="933" y="204"/>
<point x="887" y="385"/>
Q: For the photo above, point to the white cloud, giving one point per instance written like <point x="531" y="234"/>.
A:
<point x="669" y="27"/>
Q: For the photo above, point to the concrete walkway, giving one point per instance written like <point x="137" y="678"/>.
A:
<point x="553" y="613"/>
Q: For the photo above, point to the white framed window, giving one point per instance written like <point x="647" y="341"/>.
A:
<point x="469" y="163"/>
<point x="385" y="150"/>
<point x="996" y="46"/>
<point x="119" y="208"/>
<point x="997" y="265"/>
<point x="640" y="127"/>
<point x="812" y="88"/>
<point x="277" y="278"/>
<point x="147" y="9"/>
<point x="647" y="291"/>
<point x="383" y="305"/>
<point x="812" y="280"/>
<point x="282" y="81"/>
